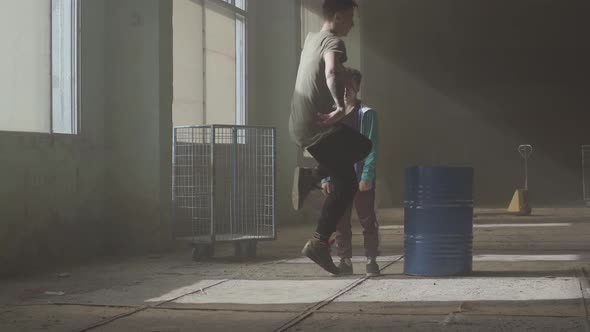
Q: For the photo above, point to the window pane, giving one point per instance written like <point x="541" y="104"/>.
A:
<point x="64" y="52"/>
<point x="220" y="53"/>
<point x="209" y="73"/>
<point x="241" y="4"/>
<point x="188" y="62"/>
<point x="240" y="71"/>
<point x="25" y="65"/>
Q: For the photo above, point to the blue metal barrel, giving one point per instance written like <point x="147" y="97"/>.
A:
<point x="438" y="221"/>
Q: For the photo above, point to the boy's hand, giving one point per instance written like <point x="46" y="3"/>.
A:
<point x="365" y="185"/>
<point x="327" y="188"/>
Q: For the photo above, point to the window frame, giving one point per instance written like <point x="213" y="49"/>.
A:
<point x="75" y="86"/>
<point x="241" y="70"/>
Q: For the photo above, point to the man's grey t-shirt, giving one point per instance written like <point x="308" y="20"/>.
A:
<point x="311" y="95"/>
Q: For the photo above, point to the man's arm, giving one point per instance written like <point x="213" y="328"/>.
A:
<point x="334" y="72"/>
<point x="335" y="80"/>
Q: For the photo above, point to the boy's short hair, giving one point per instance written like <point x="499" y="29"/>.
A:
<point x="331" y="7"/>
<point x="355" y="75"/>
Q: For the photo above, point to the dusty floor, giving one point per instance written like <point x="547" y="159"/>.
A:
<point x="529" y="274"/>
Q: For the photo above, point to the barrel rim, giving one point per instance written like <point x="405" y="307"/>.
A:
<point x="440" y="167"/>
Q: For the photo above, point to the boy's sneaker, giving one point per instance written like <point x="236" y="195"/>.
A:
<point x="319" y="252"/>
<point x="372" y="268"/>
<point x="345" y="266"/>
<point x="303" y="182"/>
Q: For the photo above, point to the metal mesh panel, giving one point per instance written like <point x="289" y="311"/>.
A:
<point x="586" y="172"/>
<point x="192" y="181"/>
<point x="224" y="183"/>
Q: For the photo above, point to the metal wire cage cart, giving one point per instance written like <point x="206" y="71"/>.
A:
<point x="224" y="187"/>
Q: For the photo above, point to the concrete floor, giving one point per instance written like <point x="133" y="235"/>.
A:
<point x="529" y="274"/>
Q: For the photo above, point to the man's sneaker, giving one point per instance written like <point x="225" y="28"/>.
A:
<point x="372" y="268"/>
<point x="319" y="252"/>
<point x="303" y="183"/>
<point x="345" y="266"/>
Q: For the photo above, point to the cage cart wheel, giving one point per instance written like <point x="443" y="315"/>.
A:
<point x="245" y="249"/>
<point x="202" y="252"/>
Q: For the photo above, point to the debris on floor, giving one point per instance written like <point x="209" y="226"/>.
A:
<point x="54" y="293"/>
<point x="452" y="318"/>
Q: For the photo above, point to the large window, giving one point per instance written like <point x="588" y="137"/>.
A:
<point x="38" y="85"/>
<point x="209" y="62"/>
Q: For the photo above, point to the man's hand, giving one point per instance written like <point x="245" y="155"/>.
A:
<point x="365" y="185"/>
<point x="327" y="188"/>
<point x="332" y="118"/>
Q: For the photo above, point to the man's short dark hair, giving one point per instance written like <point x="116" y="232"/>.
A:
<point x="331" y="7"/>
